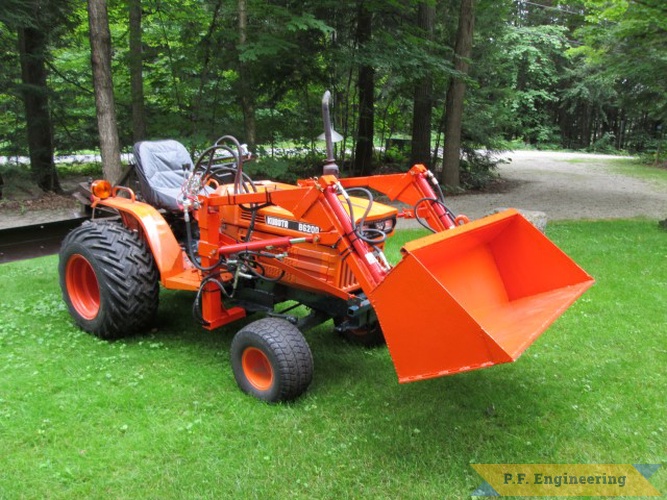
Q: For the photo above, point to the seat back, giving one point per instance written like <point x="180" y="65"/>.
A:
<point x="160" y="168"/>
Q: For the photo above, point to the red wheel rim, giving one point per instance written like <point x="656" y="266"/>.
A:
<point x="82" y="287"/>
<point x="257" y="368"/>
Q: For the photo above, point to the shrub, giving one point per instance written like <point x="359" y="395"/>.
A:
<point x="478" y="168"/>
<point x="288" y="165"/>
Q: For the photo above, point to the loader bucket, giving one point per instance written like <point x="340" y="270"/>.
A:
<point x="473" y="296"/>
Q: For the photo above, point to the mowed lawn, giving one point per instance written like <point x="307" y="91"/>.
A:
<point x="159" y="415"/>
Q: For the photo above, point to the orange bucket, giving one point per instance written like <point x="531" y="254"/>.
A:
<point x="473" y="296"/>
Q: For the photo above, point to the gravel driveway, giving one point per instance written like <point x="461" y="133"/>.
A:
<point x="566" y="186"/>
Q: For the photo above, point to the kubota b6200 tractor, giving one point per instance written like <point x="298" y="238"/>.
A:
<point x="468" y="296"/>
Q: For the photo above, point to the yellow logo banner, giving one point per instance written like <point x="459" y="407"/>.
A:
<point x="566" y="480"/>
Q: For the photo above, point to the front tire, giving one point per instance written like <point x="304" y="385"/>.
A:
<point x="108" y="279"/>
<point x="271" y="360"/>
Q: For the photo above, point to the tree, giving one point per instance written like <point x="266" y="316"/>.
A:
<point x="363" y="157"/>
<point x="535" y="70"/>
<point x="136" y="72"/>
<point x="423" y="98"/>
<point x="626" y="41"/>
<point x="100" y="47"/>
<point x="245" y="88"/>
<point x="456" y="94"/>
<point x="34" y="21"/>
<point x="32" y="48"/>
<point x="257" y="70"/>
<point x="278" y="60"/>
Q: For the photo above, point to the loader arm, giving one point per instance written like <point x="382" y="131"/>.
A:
<point x="415" y="188"/>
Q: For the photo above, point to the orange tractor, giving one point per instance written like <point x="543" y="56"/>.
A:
<point x="468" y="296"/>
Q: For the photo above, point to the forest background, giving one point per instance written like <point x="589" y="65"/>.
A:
<point x="412" y="81"/>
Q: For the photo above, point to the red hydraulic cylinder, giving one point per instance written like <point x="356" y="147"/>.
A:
<point x="439" y="210"/>
<point x="283" y="241"/>
<point x="360" y="247"/>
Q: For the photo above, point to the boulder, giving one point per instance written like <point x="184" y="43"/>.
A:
<point x="535" y="217"/>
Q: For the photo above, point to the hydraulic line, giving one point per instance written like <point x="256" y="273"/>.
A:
<point x="372" y="265"/>
<point x="440" y="210"/>
<point x="188" y="245"/>
<point x="239" y="185"/>
<point x="361" y="231"/>
<point x="212" y="278"/>
<point x="435" y="201"/>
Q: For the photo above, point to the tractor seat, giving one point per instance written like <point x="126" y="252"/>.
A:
<point x="162" y="168"/>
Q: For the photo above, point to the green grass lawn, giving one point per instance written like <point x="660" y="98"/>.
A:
<point x="656" y="175"/>
<point x="632" y="167"/>
<point x="160" y="416"/>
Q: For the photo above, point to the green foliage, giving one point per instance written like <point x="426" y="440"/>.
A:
<point x="533" y="70"/>
<point x="288" y="165"/>
<point x="397" y="157"/>
<point x="13" y="139"/>
<point x="478" y="169"/>
<point x="161" y="412"/>
<point x="580" y="74"/>
<point x="604" y="144"/>
<point x="53" y="18"/>
<point x="628" y="38"/>
<point x="625" y="43"/>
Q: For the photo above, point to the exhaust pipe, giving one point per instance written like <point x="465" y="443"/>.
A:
<point x="330" y="167"/>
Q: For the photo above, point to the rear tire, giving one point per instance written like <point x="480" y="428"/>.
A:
<point x="108" y="279"/>
<point x="271" y="360"/>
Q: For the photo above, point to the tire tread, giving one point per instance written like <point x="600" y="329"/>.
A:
<point x="294" y="360"/>
<point x="129" y="280"/>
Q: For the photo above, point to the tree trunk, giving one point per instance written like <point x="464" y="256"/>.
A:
<point x="100" y="47"/>
<point x="363" y="157"/>
<point x="32" y="46"/>
<point x="245" y="88"/>
<point x="206" y="45"/>
<point x="136" y="73"/>
<point x="423" y="99"/>
<point x="456" y="94"/>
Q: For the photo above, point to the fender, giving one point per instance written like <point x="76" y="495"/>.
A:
<point x="176" y="270"/>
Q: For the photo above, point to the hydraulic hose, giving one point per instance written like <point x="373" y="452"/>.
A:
<point x="359" y="228"/>
<point x="188" y="245"/>
<point x="421" y="221"/>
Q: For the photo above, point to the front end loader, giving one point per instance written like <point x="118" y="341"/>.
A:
<point x="468" y="296"/>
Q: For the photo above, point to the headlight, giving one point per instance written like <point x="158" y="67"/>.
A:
<point x="384" y="225"/>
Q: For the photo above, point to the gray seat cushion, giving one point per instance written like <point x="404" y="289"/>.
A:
<point x="160" y="168"/>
